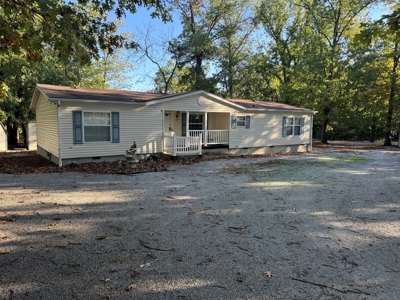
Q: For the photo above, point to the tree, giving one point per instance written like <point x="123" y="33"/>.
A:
<point x="196" y="46"/>
<point x="65" y="26"/>
<point x="386" y="31"/>
<point x="256" y="79"/>
<point x="234" y="45"/>
<point x="333" y="22"/>
<point x="157" y="50"/>
<point x="284" y="22"/>
<point x="74" y="32"/>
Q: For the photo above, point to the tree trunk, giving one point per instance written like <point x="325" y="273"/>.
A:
<point x="372" y="134"/>
<point x="12" y="131"/>
<point x="24" y="134"/>
<point x="324" y="137"/>
<point x="392" y="95"/>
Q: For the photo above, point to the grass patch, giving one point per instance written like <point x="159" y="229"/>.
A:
<point x="356" y="159"/>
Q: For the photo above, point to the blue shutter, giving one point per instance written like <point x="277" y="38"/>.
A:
<point x="77" y="126"/>
<point x="247" y="122"/>
<point x="183" y="124"/>
<point x="301" y="126"/>
<point x="115" y="126"/>
<point x="284" y="126"/>
<point x="233" y="122"/>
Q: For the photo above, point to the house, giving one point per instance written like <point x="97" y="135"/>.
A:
<point x="31" y="136"/>
<point x="76" y="124"/>
<point x="3" y="138"/>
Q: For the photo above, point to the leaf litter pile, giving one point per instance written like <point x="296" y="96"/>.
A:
<point x="28" y="162"/>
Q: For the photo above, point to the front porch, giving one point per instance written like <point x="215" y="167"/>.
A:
<point x="186" y="133"/>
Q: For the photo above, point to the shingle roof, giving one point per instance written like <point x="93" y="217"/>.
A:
<point x="78" y="93"/>
<point x="59" y="93"/>
<point x="265" y="105"/>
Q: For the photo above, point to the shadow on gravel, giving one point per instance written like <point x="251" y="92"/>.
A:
<point x="320" y="227"/>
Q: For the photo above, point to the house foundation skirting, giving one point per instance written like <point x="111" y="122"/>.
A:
<point x="67" y="161"/>
<point x="262" y="150"/>
<point x="46" y="154"/>
<point x="238" y="151"/>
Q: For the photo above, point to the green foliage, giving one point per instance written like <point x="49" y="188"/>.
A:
<point x="77" y="29"/>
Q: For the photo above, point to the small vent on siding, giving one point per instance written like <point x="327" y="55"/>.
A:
<point x="96" y="157"/>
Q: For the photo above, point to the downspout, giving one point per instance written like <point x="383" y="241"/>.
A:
<point x="59" y="135"/>
<point x="311" y="130"/>
<point x="187" y="123"/>
<point x="162" y="128"/>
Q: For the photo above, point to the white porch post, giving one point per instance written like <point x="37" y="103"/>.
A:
<point x="175" y="145"/>
<point x="200" y="145"/>
<point x="205" y="129"/>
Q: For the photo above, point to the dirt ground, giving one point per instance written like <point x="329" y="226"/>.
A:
<point x="323" y="225"/>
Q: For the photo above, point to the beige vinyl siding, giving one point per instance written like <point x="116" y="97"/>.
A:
<point x="190" y="104"/>
<point x="47" y="126"/>
<point x="137" y="123"/>
<point x="266" y="130"/>
<point x="222" y="121"/>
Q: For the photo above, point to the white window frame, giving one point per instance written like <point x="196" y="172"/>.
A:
<point x="202" y="122"/>
<point x="238" y="122"/>
<point x="83" y="125"/>
<point x="293" y="126"/>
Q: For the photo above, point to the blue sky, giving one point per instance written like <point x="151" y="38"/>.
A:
<point x="137" y="22"/>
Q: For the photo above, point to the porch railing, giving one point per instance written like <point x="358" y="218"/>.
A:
<point x="183" y="145"/>
<point x="211" y="136"/>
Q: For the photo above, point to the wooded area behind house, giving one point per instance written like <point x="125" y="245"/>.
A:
<point x="329" y="56"/>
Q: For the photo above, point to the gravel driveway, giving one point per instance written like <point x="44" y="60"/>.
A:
<point x="323" y="225"/>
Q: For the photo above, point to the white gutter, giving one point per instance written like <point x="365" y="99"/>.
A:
<point x="280" y="110"/>
<point x="93" y="101"/>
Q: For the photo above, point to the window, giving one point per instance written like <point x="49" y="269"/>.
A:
<point x="195" y="122"/>
<point x="292" y="126"/>
<point x="240" y="121"/>
<point x="95" y="127"/>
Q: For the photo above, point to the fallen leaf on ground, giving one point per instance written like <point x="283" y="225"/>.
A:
<point x="13" y="215"/>
<point x="101" y="237"/>
<point x="131" y="287"/>
<point x="145" y="265"/>
<point x="57" y="219"/>
<point x="268" y="274"/>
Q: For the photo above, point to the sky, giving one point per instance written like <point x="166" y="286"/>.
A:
<point x="137" y="22"/>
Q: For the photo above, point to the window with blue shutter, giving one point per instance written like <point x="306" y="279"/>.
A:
<point x="77" y="127"/>
<point x="115" y="126"/>
<point x="283" y="126"/>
